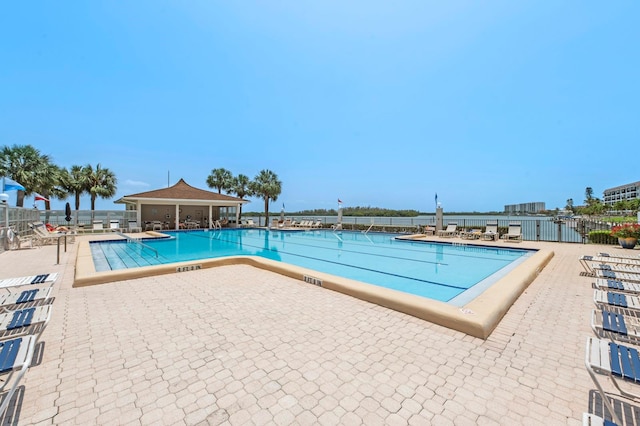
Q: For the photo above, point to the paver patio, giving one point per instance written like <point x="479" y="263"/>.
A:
<point x="239" y="345"/>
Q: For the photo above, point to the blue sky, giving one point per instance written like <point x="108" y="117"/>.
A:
<point x="377" y="103"/>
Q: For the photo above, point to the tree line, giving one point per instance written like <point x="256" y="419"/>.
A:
<point x="39" y="175"/>
<point x="36" y="172"/>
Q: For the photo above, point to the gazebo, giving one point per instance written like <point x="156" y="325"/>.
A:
<point x="182" y="203"/>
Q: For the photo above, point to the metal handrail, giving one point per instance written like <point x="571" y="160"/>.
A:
<point x="137" y="241"/>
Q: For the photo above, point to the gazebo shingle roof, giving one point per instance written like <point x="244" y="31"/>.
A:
<point x="183" y="191"/>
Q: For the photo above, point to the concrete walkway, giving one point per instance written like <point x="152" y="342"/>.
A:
<point x="238" y="345"/>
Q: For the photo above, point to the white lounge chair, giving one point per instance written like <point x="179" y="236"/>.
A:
<point x="586" y="261"/>
<point x="16" y="354"/>
<point x="491" y="232"/>
<point x="619" y="363"/>
<point x="615" y="267"/>
<point x="19" y="297"/>
<point x="616" y="285"/>
<point x="514" y="233"/>
<point x="471" y="234"/>
<point x="42" y="235"/>
<point x="97" y="225"/>
<point x="134" y="227"/>
<point x="610" y="299"/>
<point x="619" y="276"/>
<point x="114" y="225"/>
<point x="28" y="280"/>
<point x="613" y="325"/>
<point x="451" y="231"/>
<point x="32" y="320"/>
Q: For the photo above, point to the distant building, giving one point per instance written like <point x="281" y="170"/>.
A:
<point x="524" y="208"/>
<point x="630" y="191"/>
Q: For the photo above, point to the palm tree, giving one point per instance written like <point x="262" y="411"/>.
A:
<point x="266" y="186"/>
<point x="49" y="182"/>
<point x="100" y="182"/>
<point x="22" y="164"/>
<point x="220" y="179"/>
<point x="75" y="182"/>
<point x="241" y="187"/>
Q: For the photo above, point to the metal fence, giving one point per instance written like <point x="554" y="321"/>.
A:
<point x="84" y="219"/>
<point x="533" y="228"/>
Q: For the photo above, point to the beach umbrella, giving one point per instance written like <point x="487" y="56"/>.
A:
<point x="67" y="212"/>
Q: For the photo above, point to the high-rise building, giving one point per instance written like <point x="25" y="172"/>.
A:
<point x="630" y="191"/>
<point x="525" y="208"/>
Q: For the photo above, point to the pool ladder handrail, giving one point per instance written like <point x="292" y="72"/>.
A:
<point x="137" y="241"/>
<point x="370" y="226"/>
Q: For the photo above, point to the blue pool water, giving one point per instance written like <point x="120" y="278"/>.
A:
<point x="442" y="271"/>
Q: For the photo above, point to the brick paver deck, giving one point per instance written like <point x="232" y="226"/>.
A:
<point x="238" y="345"/>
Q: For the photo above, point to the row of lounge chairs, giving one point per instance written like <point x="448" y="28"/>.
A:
<point x="25" y="311"/>
<point x="490" y="234"/>
<point x="614" y="351"/>
<point x="288" y="223"/>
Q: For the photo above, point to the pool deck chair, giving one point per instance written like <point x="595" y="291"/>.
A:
<point x="451" y="231"/>
<point x="20" y="322"/>
<point x="491" y="232"/>
<point x="114" y="225"/>
<point x="608" y="299"/>
<point x="28" y="280"/>
<point x="134" y="227"/>
<point x="587" y="261"/>
<point x="614" y="267"/>
<point x="620" y="255"/>
<point x="97" y="225"/>
<point x="471" y="234"/>
<point x="612" y="325"/>
<point x="15" y="358"/>
<point x="615" y="285"/>
<point x="41" y="234"/>
<point x="619" y="276"/>
<point x="28" y="297"/>
<point x="514" y="233"/>
<point x="620" y="363"/>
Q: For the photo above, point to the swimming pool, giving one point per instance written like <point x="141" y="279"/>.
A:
<point x="452" y="273"/>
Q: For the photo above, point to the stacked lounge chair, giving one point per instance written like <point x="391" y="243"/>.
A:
<point x="25" y="311"/>
<point x="615" y="350"/>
